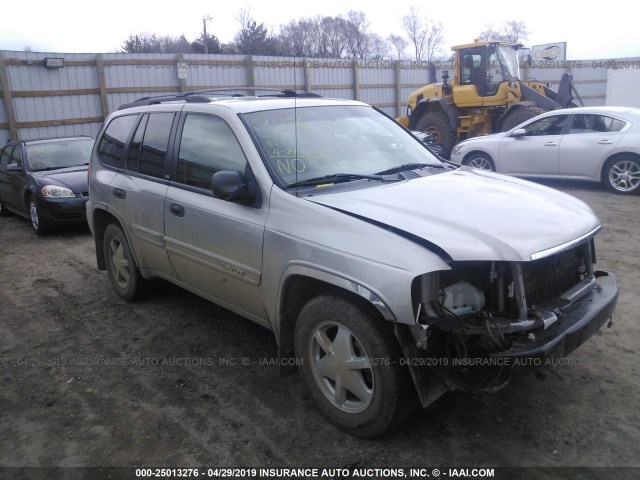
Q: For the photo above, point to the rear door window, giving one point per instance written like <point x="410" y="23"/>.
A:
<point x="154" y="144"/>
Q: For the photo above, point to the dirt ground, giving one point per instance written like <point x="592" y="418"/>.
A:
<point x="87" y="379"/>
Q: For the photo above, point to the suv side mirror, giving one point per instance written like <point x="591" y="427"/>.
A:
<point x="230" y="185"/>
<point x="521" y="132"/>
<point x="14" y="167"/>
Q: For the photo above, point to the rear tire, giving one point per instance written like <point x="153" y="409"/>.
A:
<point x="480" y="160"/>
<point x="351" y="365"/>
<point x="622" y="175"/>
<point x="519" y="116"/>
<point x="437" y="124"/>
<point x="121" y="266"/>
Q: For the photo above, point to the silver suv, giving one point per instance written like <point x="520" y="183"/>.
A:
<point x="390" y="276"/>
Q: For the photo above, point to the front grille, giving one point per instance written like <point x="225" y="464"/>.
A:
<point x="549" y="277"/>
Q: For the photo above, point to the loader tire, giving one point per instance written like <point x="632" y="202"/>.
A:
<point x="437" y="124"/>
<point x="519" y="116"/>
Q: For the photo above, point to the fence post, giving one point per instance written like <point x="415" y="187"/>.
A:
<point x="398" y="90"/>
<point x="307" y="75"/>
<point x="8" y="99"/>
<point x="102" y="85"/>
<point x="251" y="81"/>
<point x="356" y="80"/>
<point x="182" y="82"/>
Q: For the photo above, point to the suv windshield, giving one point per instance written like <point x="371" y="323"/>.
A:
<point x="59" y="154"/>
<point x="314" y="142"/>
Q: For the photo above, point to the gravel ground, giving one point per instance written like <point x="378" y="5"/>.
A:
<point x="87" y="379"/>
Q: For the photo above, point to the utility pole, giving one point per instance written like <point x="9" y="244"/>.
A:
<point x="204" y="28"/>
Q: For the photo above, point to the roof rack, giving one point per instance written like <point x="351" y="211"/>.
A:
<point x="200" y="96"/>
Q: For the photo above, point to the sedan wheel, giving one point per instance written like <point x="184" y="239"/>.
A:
<point x="3" y="210"/>
<point x="623" y="175"/>
<point x="480" y="160"/>
<point x="39" y="225"/>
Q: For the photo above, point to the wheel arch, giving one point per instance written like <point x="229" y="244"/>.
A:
<point x="302" y="283"/>
<point x="465" y="159"/>
<point x="29" y="191"/>
<point x="434" y="105"/>
<point x="612" y="158"/>
<point x="101" y="219"/>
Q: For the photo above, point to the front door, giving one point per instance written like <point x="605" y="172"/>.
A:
<point x="537" y="151"/>
<point x="215" y="246"/>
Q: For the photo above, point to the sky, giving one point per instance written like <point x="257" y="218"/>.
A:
<point x="70" y="26"/>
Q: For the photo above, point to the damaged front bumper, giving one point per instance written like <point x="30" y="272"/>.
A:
<point x="436" y="367"/>
<point x="576" y="323"/>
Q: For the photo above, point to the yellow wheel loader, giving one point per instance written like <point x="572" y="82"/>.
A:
<point x="486" y="95"/>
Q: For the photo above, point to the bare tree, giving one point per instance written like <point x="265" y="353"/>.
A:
<point x="511" y="31"/>
<point x="398" y="45"/>
<point x="361" y="43"/>
<point x="515" y="31"/>
<point x="435" y="37"/>
<point x="378" y="47"/>
<point x="318" y="37"/>
<point x="425" y="37"/>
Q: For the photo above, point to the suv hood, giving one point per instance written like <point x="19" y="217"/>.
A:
<point x="73" y="178"/>
<point x="471" y="214"/>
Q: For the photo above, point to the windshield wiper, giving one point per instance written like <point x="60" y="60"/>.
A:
<point x="58" y="168"/>
<point x="407" y="166"/>
<point x="336" y="177"/>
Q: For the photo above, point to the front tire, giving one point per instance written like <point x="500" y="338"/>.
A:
<point x="3" y="210"/>
<point x="351" y="365"/>
<point x="622" y="175"/>
<point x="480" y="160"/>
<point x="121" y="266"/>
<point x="437" y="124"/>
<point x="519" y="116"/>
<point x="38" y="223"/>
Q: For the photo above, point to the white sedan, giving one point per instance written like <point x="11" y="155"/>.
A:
<point x="600" y="144"/>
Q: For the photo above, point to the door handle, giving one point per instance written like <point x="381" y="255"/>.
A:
<point x="605" y="142"/>
<point x="176" y="210"/>
<point x="551" y="144"/>
<point x="119" y="193"/>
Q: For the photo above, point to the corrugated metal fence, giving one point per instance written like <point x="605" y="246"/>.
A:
<point x="40" y="101"/>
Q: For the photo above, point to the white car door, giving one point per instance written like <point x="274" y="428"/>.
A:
<point x="588" y="143"/>
<point x="536" y="152"/>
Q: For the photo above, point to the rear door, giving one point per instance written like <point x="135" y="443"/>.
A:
<point x="139" y="147"/>
<point x="589" y="141"/>
<point x="215" y="246"/>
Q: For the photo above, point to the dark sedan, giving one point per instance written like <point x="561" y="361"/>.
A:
<point x="45" y="180"/>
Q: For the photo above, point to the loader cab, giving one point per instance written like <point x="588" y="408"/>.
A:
<point x="485" y="65"/>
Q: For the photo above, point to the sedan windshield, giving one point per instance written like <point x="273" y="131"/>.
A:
<point x="59" y="154"/>
<point x="341" y="143"/>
